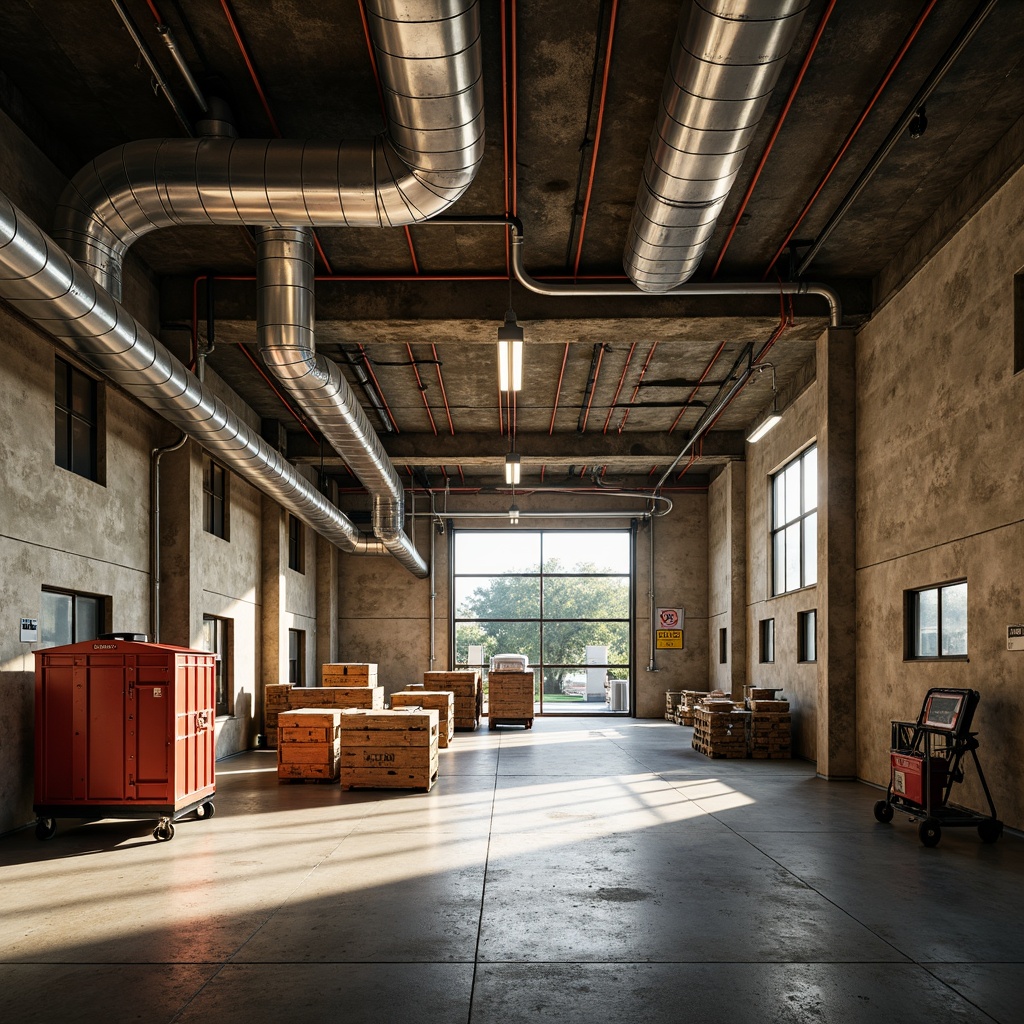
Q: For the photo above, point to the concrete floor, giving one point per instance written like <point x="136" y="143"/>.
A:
<point x="581" y="872"/>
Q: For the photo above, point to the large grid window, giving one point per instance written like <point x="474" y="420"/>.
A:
<point x="76" y="421"/>
<point x="795" y="524"/>
<point x="68" y="618"/>
<point x="215" y="498"/>
<point x="560" y="597"/>
<point x="936" y="621"/>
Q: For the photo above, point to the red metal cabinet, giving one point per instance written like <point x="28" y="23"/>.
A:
<point x="123" y="729"/>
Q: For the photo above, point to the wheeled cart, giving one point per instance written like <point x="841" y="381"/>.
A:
<point x="123" y="729"/>
<point x="925" y="762"/>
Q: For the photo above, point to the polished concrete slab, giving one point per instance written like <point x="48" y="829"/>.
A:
<point x="584" y="870"/>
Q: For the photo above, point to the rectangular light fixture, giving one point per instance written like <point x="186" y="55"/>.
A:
<point x="513" y="514"/>
<point x="510" y="354"/>
<point x="763" y="427"/>
<point x="512" y="468"/>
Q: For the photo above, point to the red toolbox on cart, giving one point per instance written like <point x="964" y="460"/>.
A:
<point x="123" y="729"/>
<point x="908" y="777"/>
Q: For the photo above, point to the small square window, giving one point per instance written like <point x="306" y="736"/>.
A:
<point x="936" y="622"/>
<point x="723" y="646"/>
<point x="807" y="636"/>
<point x="215" y="498"/>
<point x="767" y="632"/>
<point x="297" y="657"/>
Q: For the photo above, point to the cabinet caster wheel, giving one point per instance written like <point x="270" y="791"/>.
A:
<point x="46" y="828"/>
<point x="206" y="810"/>
<point x="164" y="832"/>
<point x="990" y="830"/>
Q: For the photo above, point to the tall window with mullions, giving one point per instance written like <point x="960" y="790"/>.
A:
<point x="795" y="524"/>
<point x="76" y="421"/>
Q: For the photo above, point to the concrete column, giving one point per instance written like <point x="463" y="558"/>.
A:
<point x="177" y="517"/>
<point x="326" y="602"/>
<point x="837" y="606"/>
<point x="273" y="550"/>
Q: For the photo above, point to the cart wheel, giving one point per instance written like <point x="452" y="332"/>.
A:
<point x="491" y="724"/>
<point x="206" y="810"/>
<point x="883" y="812"/>
<point x="929" y="832"/>
<point x="164" y="832"/>
<point x="46" y="828"/>
<point x="990" y="830"/>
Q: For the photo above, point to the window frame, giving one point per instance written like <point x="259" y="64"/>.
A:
<point x="778" y="531"/>
<point x="807" y="636"/>
<point x="296" y="544"/>
<point x="215" y="497"/>
<point x="69" y="379"/>
<point x="766" y="641"/>
<point x="911" y="622"/>
<point x="297" y="657"/>
<point x="102" y="608"/>
<point x="221" y="647"/>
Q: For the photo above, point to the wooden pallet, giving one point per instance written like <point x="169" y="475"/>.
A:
<point x="720" y="734"/>
<point x="493" y="723"/>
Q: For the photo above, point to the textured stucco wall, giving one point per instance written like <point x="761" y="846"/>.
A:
<point x="385" y="612"/>
<point x="798" y="681"/>
<point x="939" y="484"/>
<point x="727" y="576"/>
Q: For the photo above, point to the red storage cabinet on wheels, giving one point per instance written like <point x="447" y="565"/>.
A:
<point x="123" y="729"/>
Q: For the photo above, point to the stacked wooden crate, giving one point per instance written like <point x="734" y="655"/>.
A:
<point x="468" y="691"/>
<point x="770" y="729"/>
<point x="442" y="701"/>
<point x="275" y="700"/>
<point x="348" y="674"/>
<point x="309" y="744"/>
<point x="392" y="749"/>
<point x="510" y="699"/>
<point x="368" y="697"/>
<point x="687" y="701"/>
<point x="720" y="733"/>
<point x="672" y="698"/>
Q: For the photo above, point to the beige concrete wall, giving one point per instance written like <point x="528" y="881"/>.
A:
<point x="798" y="681"/>
<point x="727" y="579"/>
<point x="939" y="485"/>
<point x="59" y="530"/>
<point x="384" y="612"/>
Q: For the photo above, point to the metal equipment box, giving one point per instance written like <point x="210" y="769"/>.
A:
<point x="123" y="729"/>
<point x="908" y="777"/>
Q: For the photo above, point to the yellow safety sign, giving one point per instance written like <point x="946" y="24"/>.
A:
<point x="669" y="638"/>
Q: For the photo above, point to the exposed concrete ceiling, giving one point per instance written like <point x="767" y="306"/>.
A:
<point x="418" y="311"/>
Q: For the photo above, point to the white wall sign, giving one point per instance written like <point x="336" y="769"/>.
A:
<point x="669" y="618"/>
<point x="30" y="631"/>
<point x="1015" y="638"/>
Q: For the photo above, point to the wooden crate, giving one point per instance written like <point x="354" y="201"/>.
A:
<point x="510" y="698"/>
<point x="394" y="749"/>
<point x="348" y="674"/>
<point x="776" y="706"/>
<point x="468" y="690"/>
<point x="720" y="734"/>
<point x="369" y="697"/>
<point x="771" y="734"/>
<point x="672" y="699"/>
<point x="443" y="701"/>
<point x="309" y="744"/>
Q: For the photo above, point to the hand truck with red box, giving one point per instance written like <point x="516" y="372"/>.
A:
<point x="925" y="762"/>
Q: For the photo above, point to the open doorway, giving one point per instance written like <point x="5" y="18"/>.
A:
<point x="560" y="597"/>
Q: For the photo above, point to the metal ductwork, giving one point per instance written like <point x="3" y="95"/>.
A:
<point x="725" y="62"/>
<point x="429" y="60"/>
<point x="40" y="281"/>
<point x="285" y="325"/>
<point x="430" y="67"/>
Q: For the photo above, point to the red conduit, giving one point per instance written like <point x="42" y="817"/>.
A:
<point x="259" y="369"/>
<point x="248" y="63"/>
<point x="618" y="390"/>
<point x="775" y="133"/>
<point x="515" y="112"/>
<point x="155" y="12"/>
<point x="376" y="384"/>
<point x="444" y="394"/>
<point x="896" y="61"/>
<point x="422" y="389"/>
<point x="636" y="389"/>
<point x="504" y="132"/>
<point x="558" y="390"/>
<point x="693" y="393"/>
<point x="593" y="390"/>
<point x="597" y="135"/>
<point x="501" y="413"/>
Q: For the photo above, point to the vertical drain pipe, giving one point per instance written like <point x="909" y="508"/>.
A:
<point x="154" y="537"/>
<point x="433" y="580"/>
<point x="652" y="665"/>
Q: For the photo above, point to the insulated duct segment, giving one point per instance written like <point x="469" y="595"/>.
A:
<point x="431" y="70"/>
<point x="725" y="62"/>
<point x="41" y="282"/>
<point x="285" y="318"/>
